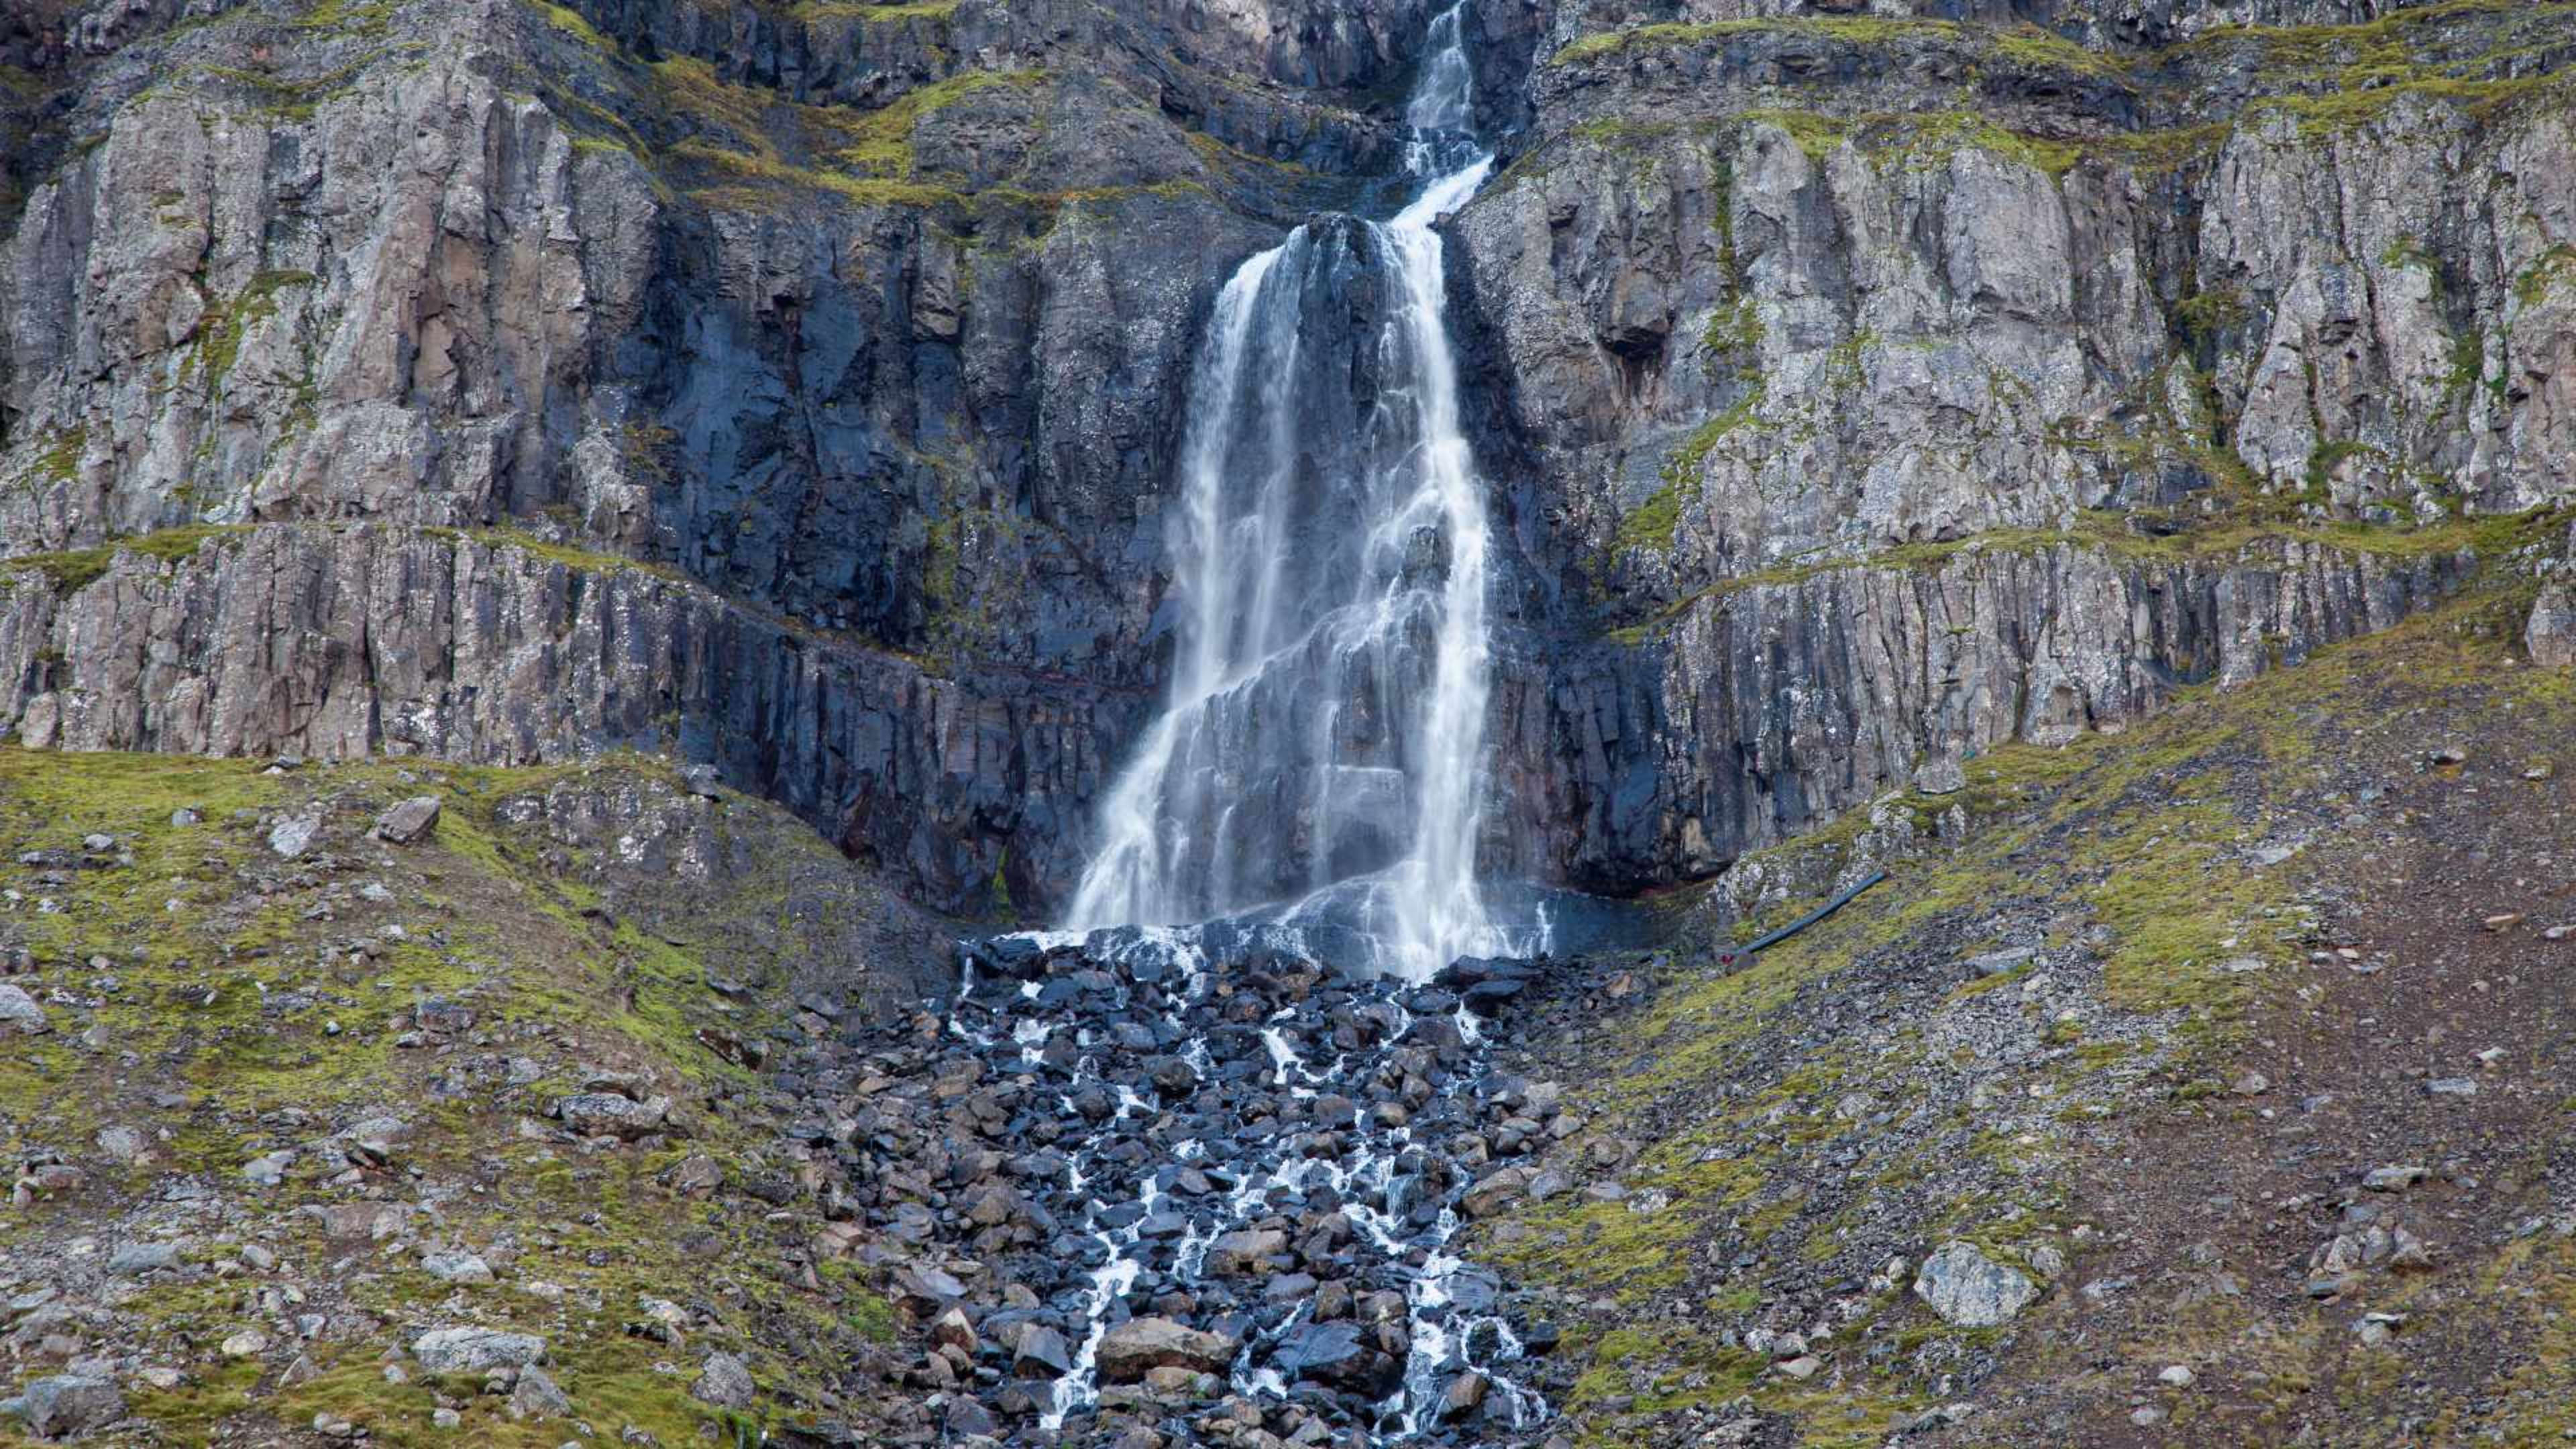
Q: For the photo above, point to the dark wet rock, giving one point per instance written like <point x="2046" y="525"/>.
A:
<point x="1039" y="1352"/>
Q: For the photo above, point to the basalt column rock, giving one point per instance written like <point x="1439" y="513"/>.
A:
<point x="338" y="643"/>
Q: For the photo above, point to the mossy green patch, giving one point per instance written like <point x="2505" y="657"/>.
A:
<point x="881" y="140"/>
<point x="2554" y="271"/>
<point x="362" y="16"/>
<point x="221" y="330"/>
<point x="1687" y="460"/>
<point x="1864" y="31"/>
<point x="571" y="556"/>
<point x="75" y="569"/>
<point x="235" y="983"/>
<point x="2245" y="533"/>
<point x="570" y="22"/>
<point x="832" y="12"/>
<point x="1654" y="523"/>
<point x="59" y="460"/>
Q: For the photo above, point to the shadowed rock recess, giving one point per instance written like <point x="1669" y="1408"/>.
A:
<point x="665" y="517"/>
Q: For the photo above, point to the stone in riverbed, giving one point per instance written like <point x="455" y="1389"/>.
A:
<point x="1040" y="1354"/>
<point x="1244" y="1252"/>
<point x="1466" y="1394"/>
<point x="1967" y="1288"/>
<point x="1336" y="1354"/>
<point x="1497" y="1191"/>
<point x="1129" y="1350"/>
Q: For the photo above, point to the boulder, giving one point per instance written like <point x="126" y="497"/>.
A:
<point x="476" y="1350"/>
<point x="20" y="1010"/>
<point x="68" y="1406"/>
<point x="294" y="835"/>
<point x="456" y="1267"/>
<point x="409" y="822"/>
<point x="2549" y="635"/>
<point x="1129" y="1350"/>
<point x="1968" y="1288"/>
<point x="608" y="1114"/>
<point x="1497" y="1191"/>
<point x="725" y="1381"/>
<point x="1040" y="1353"/>
<point x="537" y="1396"/>
<point x="1244" y="1252"/>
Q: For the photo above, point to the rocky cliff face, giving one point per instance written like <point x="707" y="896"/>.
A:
<point x="365" y="640"/>
<point x="874" y="321"/>
<point x="1782" y="291"/>
<point x="867" y="327"/>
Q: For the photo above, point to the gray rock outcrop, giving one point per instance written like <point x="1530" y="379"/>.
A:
<point x="67" y="1406"/>
<point x="474" y="1350"/>
<point x="1968" y="1288"/>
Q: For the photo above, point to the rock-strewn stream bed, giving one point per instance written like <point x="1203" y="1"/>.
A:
<point x="1208" y="1188"/>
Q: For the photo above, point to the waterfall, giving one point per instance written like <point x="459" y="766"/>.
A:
<point x="1320" y="756"/>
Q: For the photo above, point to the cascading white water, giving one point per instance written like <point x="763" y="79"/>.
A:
<point x="1144" y="1232"/>
<point x="1321" y="753"/>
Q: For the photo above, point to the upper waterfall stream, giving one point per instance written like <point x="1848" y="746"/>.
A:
<point x="1320" y="755"/>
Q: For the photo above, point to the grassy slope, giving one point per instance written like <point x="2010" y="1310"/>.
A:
<point x="209" y="969"/>
<point x="2130" y="859"/>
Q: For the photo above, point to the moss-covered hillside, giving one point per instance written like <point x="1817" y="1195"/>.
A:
<point x="2238" y="1039"/>
<point x="283" y="1096"/>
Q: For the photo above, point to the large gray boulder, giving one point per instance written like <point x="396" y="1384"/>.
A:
<point x="725" y="1382"/>
<point x="2550" y="634"/>
<point x="474" y="1350"/>
<point x="608" y="1114"/>
<point x="67" y="1406"/>
<point x="1967" y="1288"/>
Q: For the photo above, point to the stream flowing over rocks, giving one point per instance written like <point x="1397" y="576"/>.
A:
<point x="1192" y="1178"/>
